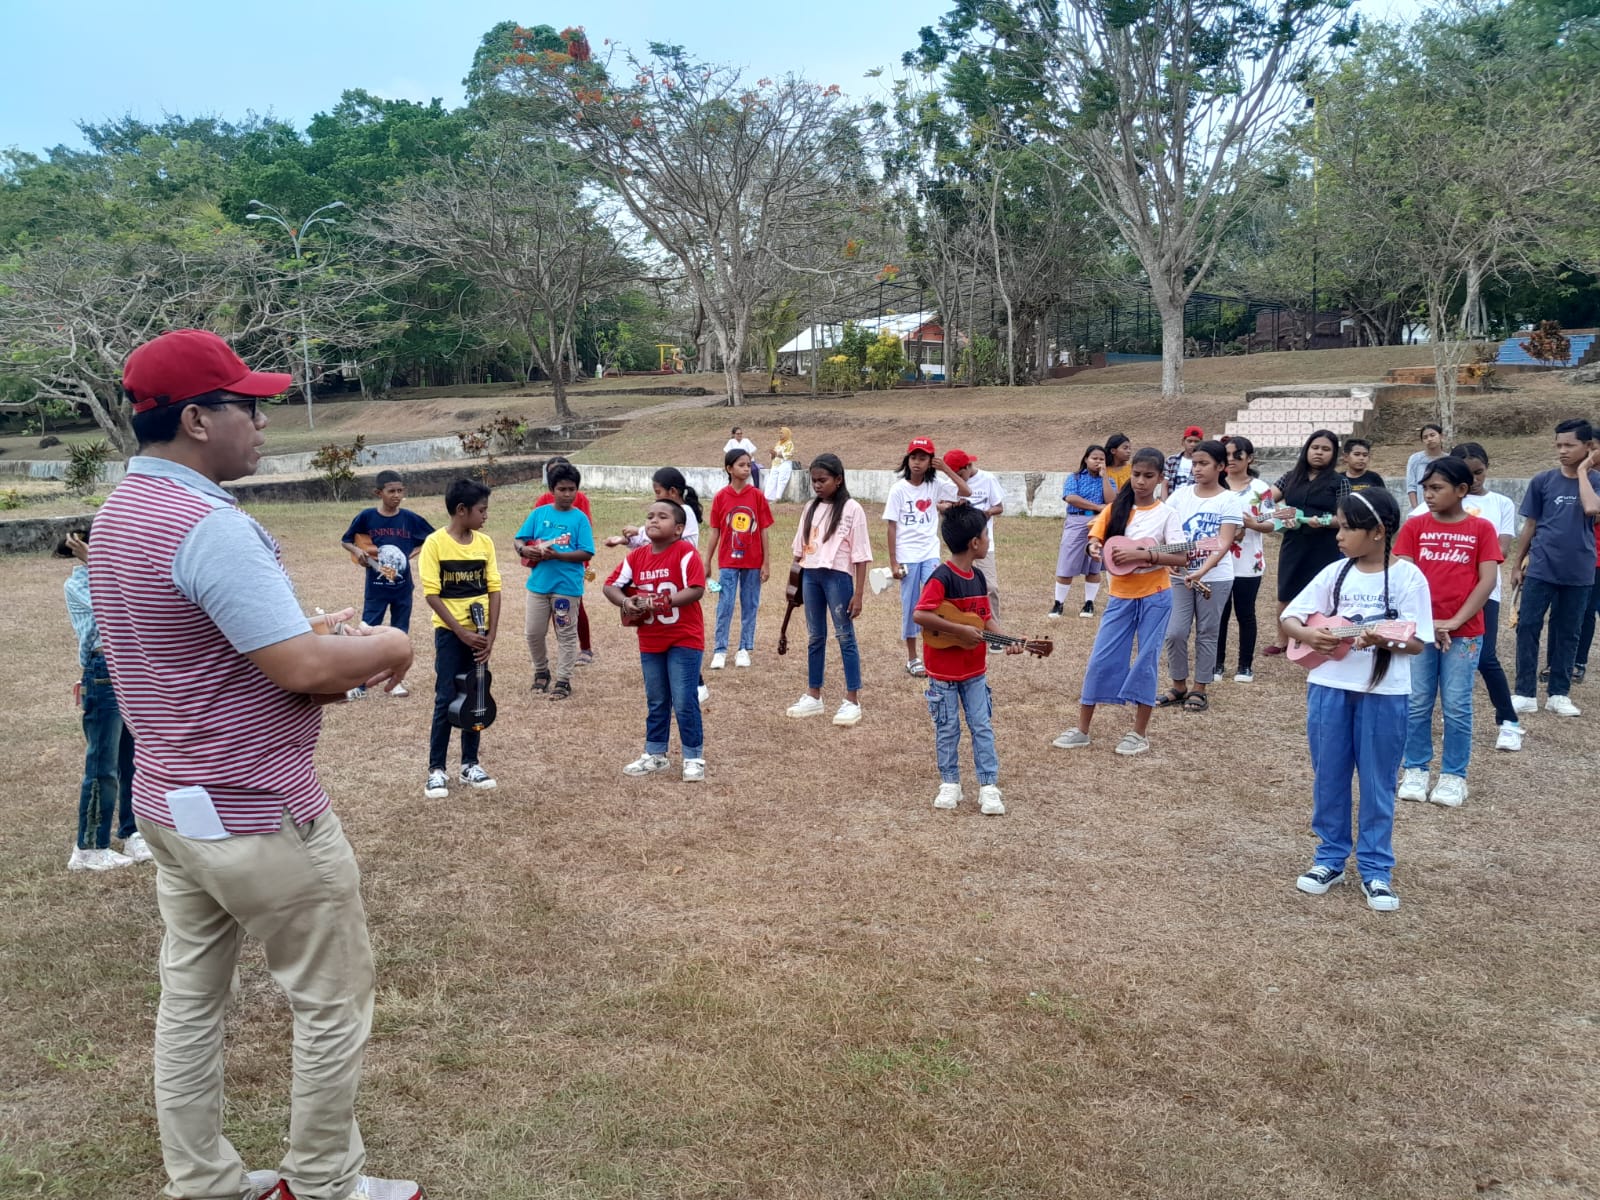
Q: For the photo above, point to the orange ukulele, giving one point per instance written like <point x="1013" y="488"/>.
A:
<point x="1041" y="647"/>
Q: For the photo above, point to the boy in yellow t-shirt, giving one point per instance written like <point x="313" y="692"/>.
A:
<point x="458" y="569"/>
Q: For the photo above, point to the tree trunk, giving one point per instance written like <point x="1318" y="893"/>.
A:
<point x="558" y="386"/>
<point x="1171" y="311"/>
<point x="1472" y="306"/>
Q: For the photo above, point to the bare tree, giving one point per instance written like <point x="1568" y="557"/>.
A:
<point x="71" y="311"/>
<point x="517" y="220"/>
<point x="745" y="184"/>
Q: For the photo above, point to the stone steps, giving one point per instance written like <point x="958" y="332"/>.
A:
<point x="1279" y="419"/>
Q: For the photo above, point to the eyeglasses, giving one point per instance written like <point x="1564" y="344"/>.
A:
<point x="251" y="404"/>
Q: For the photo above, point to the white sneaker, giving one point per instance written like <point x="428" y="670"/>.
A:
<point x="989" y="802"/>
<point x="742" y="658"/>
<point x="1450" y="791"/>
<point x="703" y="694"/>
<point x="1245" y="677"/>
<point x="359" y="693"/>
<point x="135" y="849"/>
<point x="1413" y="785"/>
<point x="646" y="764"/>
<point x="1562" y="706"/>
<point x="438" y="787"/>
<point x="849" y="714"/>
<point x="719" y="660"/>
<point x="1071" y="739"/>
<point x="479" y="778"/>
<point x="368" y="1188"/>
<point x="1524" y="704"/>
<point x="807" y="706"/>
<point x="1132" y="743"/>
<point x="694" y="770"/>
<point x="949" y="795"/>
<point x="916" y="670"/>
<point x="262" y="1183"/>
<point x="399" y="691"/>
<point x="97" y="860"/>
<point x="1510" y="736"/>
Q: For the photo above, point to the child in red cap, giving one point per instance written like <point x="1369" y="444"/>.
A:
<point x="988" y="497"/>
<point x="1180" y="467"/>
<point x="912" y="511"/>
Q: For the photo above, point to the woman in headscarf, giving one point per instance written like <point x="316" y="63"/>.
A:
<point x="782" y="466"/>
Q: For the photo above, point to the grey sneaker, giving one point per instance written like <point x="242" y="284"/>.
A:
<point x="1072" y="739"/>
<point x="646" y="764"/>
<point x="438" y="786"/>
<point x="368" y="1188"/>
<point x="1133" y="743"/>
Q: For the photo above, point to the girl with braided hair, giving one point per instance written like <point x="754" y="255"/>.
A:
<point x="1356" y="706"/>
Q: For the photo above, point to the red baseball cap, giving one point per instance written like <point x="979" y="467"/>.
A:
<point x="1194" y="431"/>
<point x="923" y="444"/>
<point x="959" y="460"/>
<point x="186" y="363"/>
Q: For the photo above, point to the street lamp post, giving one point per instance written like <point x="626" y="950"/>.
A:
<point x="268" y="213"/>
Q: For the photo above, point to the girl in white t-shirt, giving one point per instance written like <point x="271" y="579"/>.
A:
<point x="912" y="512"/>
<point x="1209" y="513"/>
<point x="1356" y="706"/>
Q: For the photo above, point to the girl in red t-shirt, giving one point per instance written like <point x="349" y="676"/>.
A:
<point x="1459" y="555"/>
<point x="658" y="587"/>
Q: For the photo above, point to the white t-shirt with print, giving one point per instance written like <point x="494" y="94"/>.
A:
<point x="1360" y="601"/>
<point x="1204" y="517"/>
<point x="1500" y="511"/>
<point x="986" y="493"/>
<point x="1256" y="503"/>
<point x="914" y="511"/>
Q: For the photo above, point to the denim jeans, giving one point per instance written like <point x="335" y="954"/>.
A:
<point x="746" y="582"/>
<point x="945" y="702"/>
<point x="107" y="785"/>
<point x="1109" y="679"/>
<point x="1449" y="677"/>
<point x="828" y="593"/>
<point x="672" y="687"/>
<point x="451" y="656"/>
<point x="917" y="575"/>
<point x="1364" y="733"/>
<point x="396" y="603"/>
<point x="1489" y="668"/>
<point x="1586" y="627"/>
<point x="1565" y="606"/>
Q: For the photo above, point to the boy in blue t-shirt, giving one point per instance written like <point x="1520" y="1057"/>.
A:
<point x="557" y="541"/>
<point x="386" y="541"/>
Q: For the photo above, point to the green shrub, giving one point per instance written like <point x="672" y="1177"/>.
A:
<point x="338" y="464"/>
<point x="85" y="461"/>
<point x="886" y="361"/>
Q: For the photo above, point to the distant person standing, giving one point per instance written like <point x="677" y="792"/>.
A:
<point x="989" y="498"/>
<point x="1180" y="467"/>
<point x="1119" y="459"/>
<point x="1358" y="465"/>
<point x="782" y="466"/>
<point x="738" y="441"/>
<point x="1553" y="562"/>
<point x="1432" y="447"/>
<point x="1308" y="495"/>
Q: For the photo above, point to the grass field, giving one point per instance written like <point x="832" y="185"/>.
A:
<point x="798" y="980"/>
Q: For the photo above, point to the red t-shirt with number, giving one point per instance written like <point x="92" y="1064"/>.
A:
<point x="675" y="568"/>
<point x="1448" y="556"/>
<point x="739" y="518"/>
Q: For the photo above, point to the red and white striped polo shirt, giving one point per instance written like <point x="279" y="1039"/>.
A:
<point x="202" y="713"/>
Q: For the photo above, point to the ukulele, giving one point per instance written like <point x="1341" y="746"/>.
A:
<point x="1108" y="555"/>
<point x="365" y="545"/>
<point x="473" y="707"/>
<point x="792" y="596"/>
<point x="939" y="640"/>
<point x="1199" y="585"/>
<point x="1305" y="656"/>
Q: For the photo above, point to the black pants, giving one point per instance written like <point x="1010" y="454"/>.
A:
<point x="1494" y="675"/>
<point x="1586" y="631"/>
<point x="1564" y="604"/>
<point x="451" y="656"/>
<point x="1241" y="602"/>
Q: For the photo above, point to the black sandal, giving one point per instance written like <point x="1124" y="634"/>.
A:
<point x="562" y="690"/>
<point x="541" y="681"/>
<point x="1196" y="702"/>
<point x="1172" y="699"/>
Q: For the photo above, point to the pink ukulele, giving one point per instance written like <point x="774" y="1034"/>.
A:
<point x="1305" y="656"/>
<point x="1108" y="557"/>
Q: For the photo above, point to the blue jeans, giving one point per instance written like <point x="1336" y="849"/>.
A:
<point x="1449" y="677"/>
<point x="107" y="763"/>
<point x="828" y="593"/>
<point x="1489" y="668"/>
<point x="672" y="687"/>
<point x="1565" y="606"/>
<point x="1109" y="679"/>
<point x="917" y="574"/>
<point x="396" y="601"/>
<point x="945" y="702"/>
<point x="746" y="581"/>
<point x="1363" y="733"/>
<point x="451" y="656"/>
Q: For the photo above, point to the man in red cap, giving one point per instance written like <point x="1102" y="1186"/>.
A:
<point x="221" y="677"/>
<point x="1180" y="467"/>
<point x="988" y="497"/>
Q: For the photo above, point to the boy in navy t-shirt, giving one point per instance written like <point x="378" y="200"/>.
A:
<point x="957" y="675"/>
<point x="386" y="541"/>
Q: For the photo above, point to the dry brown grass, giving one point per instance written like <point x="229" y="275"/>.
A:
<point x="798" y="980"/>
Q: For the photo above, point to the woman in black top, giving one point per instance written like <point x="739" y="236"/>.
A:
<point x="1309" y="495"/>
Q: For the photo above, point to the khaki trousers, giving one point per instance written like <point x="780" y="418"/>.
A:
<point x="297" y="892"/>
<point x="541" y="613"/>
<point x="991" y="574"/>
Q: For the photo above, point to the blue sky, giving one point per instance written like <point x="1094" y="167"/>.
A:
<point x="71" y="60"/>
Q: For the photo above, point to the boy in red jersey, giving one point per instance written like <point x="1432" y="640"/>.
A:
<point x="957" y="675"/>
<point x="659" y="586"/>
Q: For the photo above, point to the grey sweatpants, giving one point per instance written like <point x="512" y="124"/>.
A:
<point x="1189" y="607"/>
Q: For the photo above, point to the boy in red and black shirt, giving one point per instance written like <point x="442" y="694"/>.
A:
<point x="957" y="674"/>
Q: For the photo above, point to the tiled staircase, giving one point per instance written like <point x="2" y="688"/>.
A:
<point x="1280" y="419"/>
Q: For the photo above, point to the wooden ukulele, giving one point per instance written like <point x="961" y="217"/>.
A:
<point x="365" y="545"/>
<point x="939" y="640"/>
<point x="473" y="707"/>
<point x="1108" y="556"/>
<point x="793" y="598"/>
<point x="1199" y="585"/>
<point x="1346" y="632"/>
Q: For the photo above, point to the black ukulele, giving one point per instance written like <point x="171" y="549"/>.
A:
<point x="473" y="707"/>
<point x="794" y="600"/>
